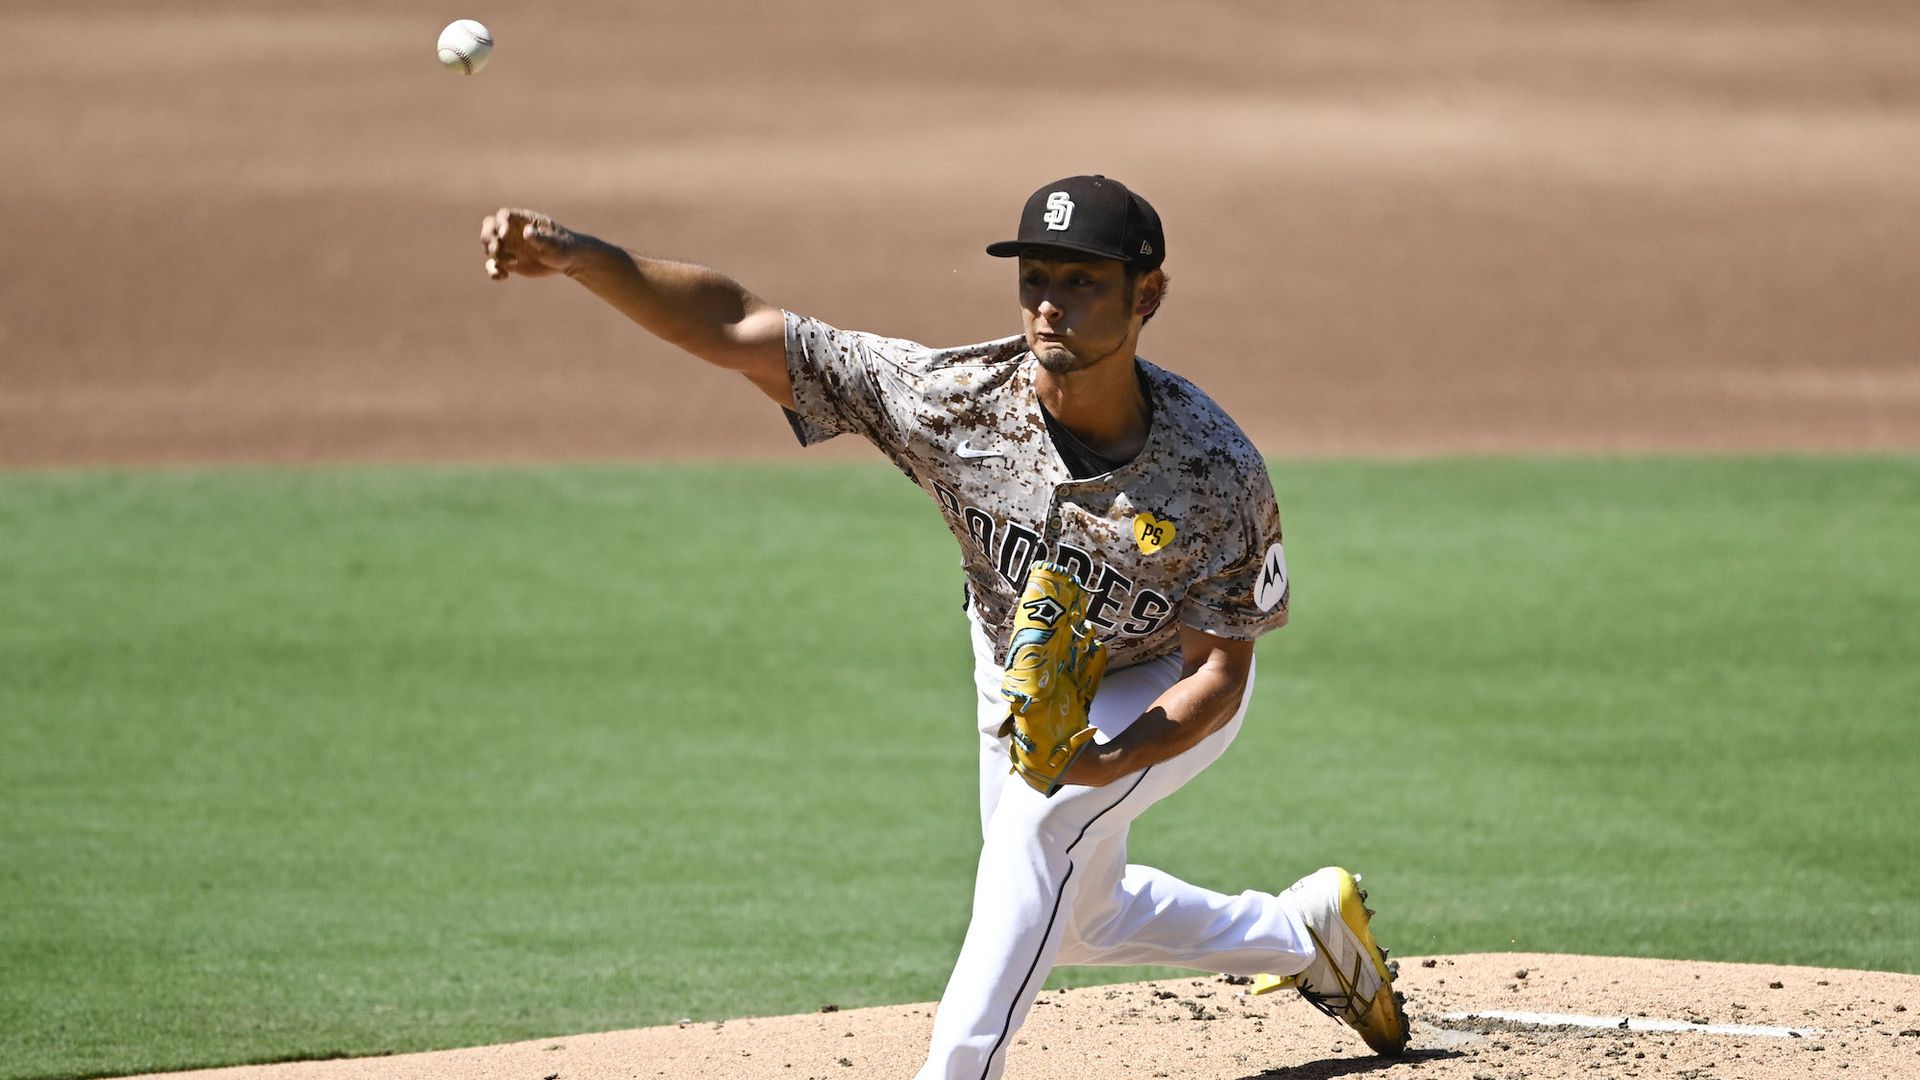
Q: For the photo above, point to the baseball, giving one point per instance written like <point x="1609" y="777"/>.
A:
<point x="465" y="46"/>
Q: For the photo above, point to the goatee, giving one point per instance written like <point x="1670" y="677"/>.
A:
<point x="1063" y="361"/>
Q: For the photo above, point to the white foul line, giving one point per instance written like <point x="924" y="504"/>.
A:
<point x="1631" y="1023"/>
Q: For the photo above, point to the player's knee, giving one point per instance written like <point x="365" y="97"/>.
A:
<point x="1095" y="932"/>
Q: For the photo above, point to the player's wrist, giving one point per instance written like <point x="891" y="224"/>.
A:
<point x="592" y="259"/>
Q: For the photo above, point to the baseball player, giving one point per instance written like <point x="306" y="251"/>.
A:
<point x="1059" y="448"/>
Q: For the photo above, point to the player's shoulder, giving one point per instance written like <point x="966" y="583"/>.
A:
<point x="1197" y="425"/>
<point x="1000" y="353"/>
<point x="906" y="353"/>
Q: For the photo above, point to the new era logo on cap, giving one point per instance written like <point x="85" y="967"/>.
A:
<point x="1090" y="215"/>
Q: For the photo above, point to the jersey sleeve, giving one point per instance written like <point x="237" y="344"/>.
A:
<point x="845" y="381"/>
<point x="1251" y="594"/>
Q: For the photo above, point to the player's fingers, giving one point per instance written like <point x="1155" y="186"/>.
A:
<point x="495" y="271"/>
<point x="505" y="224"/>
<point x="514" y="221"/>
<point x="543" y="231"/>
<point x="495" y="225"/>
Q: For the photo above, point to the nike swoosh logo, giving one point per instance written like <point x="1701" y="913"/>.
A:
<point x="970" y="453"/>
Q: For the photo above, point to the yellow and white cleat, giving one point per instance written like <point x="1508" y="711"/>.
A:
<point x="1349" y="978"/>
<point x="1267" y="984"/>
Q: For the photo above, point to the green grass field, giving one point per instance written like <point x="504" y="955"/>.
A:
<point x="304" y="763"/>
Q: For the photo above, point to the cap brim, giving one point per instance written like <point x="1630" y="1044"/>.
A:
<point x="1012" y="249"/>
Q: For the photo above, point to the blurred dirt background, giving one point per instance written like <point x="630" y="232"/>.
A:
<point x="242" y="232"/>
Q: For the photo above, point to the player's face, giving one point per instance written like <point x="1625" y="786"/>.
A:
<point x="1075" y="313"/>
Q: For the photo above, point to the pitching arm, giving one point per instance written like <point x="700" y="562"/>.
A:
<point x="702" y="311"/>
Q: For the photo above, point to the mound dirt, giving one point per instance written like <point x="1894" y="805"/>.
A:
<point x="1496" y="1016"/>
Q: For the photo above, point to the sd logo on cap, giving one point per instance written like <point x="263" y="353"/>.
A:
<point x="1089" y="215"/>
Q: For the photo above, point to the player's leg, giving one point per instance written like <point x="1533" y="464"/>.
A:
<point x="1023" y="891"/>
<point x="1131" y="914"/>
<point x="1037" y="856"/>
<point x="989" y="709"/>
<point x="1318" y="930"/>
<point x="1022" y="883"/>
<point x="1152" y="917"/>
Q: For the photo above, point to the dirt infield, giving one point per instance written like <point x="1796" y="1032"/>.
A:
<point x="1737" y="1022"/>
<point x="244" y="235"/>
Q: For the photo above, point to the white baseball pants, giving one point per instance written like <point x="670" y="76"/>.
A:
<point x="1054" y="885"/>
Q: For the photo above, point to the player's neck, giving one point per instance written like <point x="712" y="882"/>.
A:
<point x="1102" y="405"/>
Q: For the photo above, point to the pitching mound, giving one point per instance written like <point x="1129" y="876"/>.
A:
<point x="1499" y="1015"/>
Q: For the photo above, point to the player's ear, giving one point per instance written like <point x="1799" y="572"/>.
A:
<point x="1148" y="292"/>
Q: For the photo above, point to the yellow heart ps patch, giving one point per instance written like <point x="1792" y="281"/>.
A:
<point x="1152" y="533"/>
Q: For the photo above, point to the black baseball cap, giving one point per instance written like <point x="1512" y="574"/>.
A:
<point x="1089" y="215"/>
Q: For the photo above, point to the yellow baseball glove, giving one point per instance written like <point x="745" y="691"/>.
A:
<point x="1054" y="665"/>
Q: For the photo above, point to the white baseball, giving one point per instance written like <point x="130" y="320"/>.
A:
<point x="465" y="46"/>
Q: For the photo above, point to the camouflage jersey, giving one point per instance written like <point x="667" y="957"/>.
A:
<point x="1186" y="533"/>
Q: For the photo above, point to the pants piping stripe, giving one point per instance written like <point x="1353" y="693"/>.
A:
<point x="1006" y="1026"/>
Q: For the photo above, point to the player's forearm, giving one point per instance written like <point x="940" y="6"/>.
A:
<point x="1187" y="712"/>
<point x="698" y="309"/>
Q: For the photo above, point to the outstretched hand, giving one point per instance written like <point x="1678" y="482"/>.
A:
<point x="529" y="244"/>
